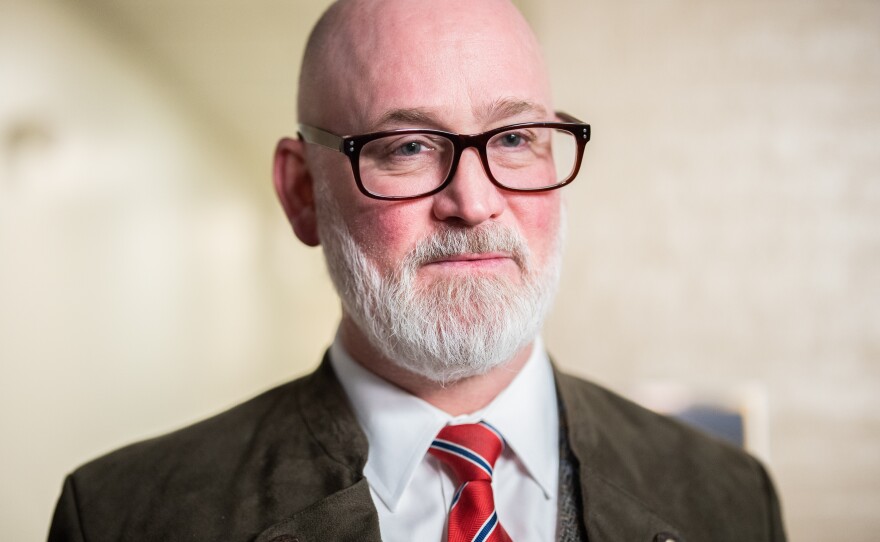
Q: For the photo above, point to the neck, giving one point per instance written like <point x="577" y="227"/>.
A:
<point x="455" y="398"/>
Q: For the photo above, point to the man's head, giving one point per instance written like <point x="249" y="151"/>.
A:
<point x="451" y="284"/>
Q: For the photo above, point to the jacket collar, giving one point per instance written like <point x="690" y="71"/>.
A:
<point x="330" y="420"/>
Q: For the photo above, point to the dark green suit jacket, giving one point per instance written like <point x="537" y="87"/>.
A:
<point x="288" y="466"/>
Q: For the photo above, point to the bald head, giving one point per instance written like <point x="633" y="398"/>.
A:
<point x="462" y="66"/>
<point x="366" y="59"/>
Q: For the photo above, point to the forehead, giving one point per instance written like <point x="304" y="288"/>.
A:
<point x="460" y="63"/>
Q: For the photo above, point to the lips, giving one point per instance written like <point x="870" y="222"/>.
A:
<point x="473" y="259"/>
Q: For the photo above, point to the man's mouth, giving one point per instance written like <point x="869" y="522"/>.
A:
<point x="473" y="260"/>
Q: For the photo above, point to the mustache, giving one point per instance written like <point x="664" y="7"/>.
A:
<point x="452" y="241"/>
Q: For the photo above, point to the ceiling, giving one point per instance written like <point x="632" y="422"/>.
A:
<point x="233" y="63"/>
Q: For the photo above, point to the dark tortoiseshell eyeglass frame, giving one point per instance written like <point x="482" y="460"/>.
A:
<point x="351" y="146"/>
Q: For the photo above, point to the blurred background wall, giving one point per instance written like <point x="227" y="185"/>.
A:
<point x="724" y="232"/>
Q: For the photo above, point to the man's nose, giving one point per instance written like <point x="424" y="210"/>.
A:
<point x="471" y="197"/>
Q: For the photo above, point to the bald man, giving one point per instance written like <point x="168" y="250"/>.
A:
<point x="428" y="165"/>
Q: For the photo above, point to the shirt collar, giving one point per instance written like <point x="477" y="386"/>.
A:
<point x="527" y="415"/>
<point x="400" y="427"/>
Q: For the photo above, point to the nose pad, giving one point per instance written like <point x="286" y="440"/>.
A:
<point x="471" y="197"/>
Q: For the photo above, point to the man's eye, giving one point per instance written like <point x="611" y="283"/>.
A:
<point x="410" y="148"/>
<point x="513" y="140"/>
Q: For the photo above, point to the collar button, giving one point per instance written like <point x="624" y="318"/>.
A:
<point x="665" y="537"/>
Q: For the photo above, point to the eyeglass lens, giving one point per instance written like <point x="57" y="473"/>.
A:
<point x="526" y="158"/>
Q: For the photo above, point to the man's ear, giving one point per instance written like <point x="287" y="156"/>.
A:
<point x="294" y="186"/>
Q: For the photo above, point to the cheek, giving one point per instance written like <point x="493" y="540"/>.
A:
<point x="386" y="231"/>
<point x="538" y="217"/>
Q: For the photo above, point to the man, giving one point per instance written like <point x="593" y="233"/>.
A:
<point x="436" y="414"/>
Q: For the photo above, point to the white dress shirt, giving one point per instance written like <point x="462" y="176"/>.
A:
<point x="412" y="490"/>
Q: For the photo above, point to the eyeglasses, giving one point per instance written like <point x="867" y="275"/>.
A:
<point x="413" y="163"/>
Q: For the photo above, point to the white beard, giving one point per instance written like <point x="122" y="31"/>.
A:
<point x="453" y="327"/>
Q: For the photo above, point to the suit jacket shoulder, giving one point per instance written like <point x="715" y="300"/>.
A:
<point x="287" y="466"/>
<point x="643" y="475"/>
<point x="272" y="467"/>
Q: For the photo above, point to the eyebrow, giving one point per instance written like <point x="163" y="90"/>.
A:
<point x="502" y="108"/>
<point x="416" y="116"/>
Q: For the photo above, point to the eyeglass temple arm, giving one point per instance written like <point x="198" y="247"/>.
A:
<point x="310" y="134"/>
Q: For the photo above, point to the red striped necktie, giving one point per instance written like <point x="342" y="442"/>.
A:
<point x="471" y="450"/>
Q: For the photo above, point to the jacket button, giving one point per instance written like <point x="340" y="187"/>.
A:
<point x="665" y="537"/>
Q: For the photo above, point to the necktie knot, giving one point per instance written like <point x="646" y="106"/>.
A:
<point x="470" y="450"/>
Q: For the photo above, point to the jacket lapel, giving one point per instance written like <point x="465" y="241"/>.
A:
<point x="345" y="516"/>
<point x="612" y="507"/>
<point x="611" y="513"/>
<point x="346" y="512"/>
<point x="615" y="506"/>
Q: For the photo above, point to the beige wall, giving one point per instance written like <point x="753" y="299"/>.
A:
<point x="728" y="229"/>
<point x="724" y="233"/>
